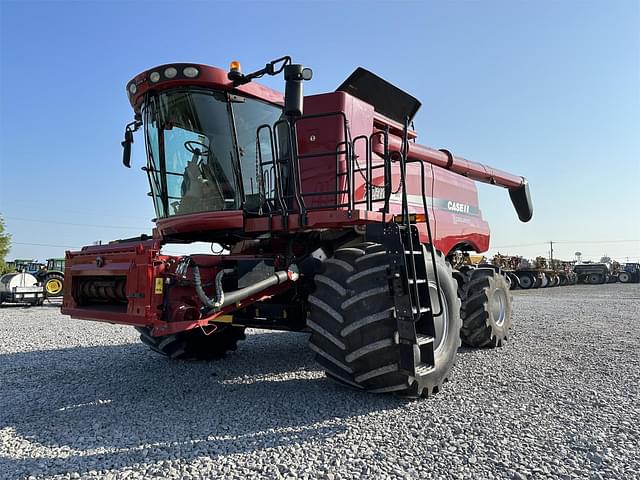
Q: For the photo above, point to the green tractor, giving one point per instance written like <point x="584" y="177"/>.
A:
<point x="52" y="277"/>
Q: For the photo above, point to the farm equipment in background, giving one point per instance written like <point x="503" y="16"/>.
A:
<point x="23" y="265"/>
<point x="52" y="277"/>
<point x="540" y="273"/>
<point x="21" y="287"/>
<point x="50" y="274"/>
<point x="629" y="273"/>
<point x="336" y="222"/>
<point x="593" y="273"/>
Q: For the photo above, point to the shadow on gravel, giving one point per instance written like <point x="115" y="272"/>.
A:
<point x="114" y="406"/>
<point x="46" y="304"/>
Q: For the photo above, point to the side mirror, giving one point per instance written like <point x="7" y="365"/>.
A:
<point x="294" y="75"/>
<point x="126" y="146"/>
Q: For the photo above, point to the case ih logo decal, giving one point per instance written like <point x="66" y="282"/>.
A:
<point x="438" y="203"/>
<point x="457" y="207"/>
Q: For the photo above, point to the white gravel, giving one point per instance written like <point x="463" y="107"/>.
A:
<point x="85" y="400"/>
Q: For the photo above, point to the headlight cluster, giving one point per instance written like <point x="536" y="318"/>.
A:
<point x="172" y="72"/>
<point x="167" y="73"/>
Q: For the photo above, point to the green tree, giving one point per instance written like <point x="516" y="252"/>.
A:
<point x="5" y="245"/>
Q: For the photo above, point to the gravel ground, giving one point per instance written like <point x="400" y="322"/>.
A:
<point x="86" y="400"/>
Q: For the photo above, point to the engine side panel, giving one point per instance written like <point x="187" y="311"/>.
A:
<point x="457" y="214"/>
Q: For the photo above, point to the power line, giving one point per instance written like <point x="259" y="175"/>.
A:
<point x="565" y="242"/>
<point x="520" y="245"/>
<point x="83" y="212"/>
<point x="73" y="224"/>
<point x="43" y="245"/>
<point x="596" y="241"/>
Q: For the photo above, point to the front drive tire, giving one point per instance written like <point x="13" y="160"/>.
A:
<point x="486" y="310"/>
<point x="527" y="281"/>
<point x="354" y="332"/>
<point x="194" y="344"/>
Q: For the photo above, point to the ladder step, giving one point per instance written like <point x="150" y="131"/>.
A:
<point x="424" y="369"/>
<point x="424" y="339"/>
<point x="413" y="252"/>
<point x="422" y="310"/>
<point x="418" y="281"/>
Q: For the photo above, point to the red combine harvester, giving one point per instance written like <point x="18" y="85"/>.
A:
<point x="333" y="220"/>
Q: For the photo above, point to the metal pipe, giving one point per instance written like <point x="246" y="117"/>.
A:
<point x="239" y="295"/>
<point x="443" y="158"/>
<point x="223" y="299"/>
<point x="518" y="186"/>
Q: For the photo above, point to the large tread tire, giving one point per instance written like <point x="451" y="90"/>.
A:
<point x="486" y="310"/>
<point x="54" y="285"/>
<point x="544" y="280"/>
<point x="354" y="329"/>
<point x="515" y="281"/>
<point x="624" y="277"/>
<point x="595" y="279"/>
<point x="527" y="281"/>
<point x="194" y="344"/>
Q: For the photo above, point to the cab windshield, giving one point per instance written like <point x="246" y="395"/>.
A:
<point x="201" y="148"/>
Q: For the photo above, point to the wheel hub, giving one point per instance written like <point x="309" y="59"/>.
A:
<point x="498" y="306"/>
<point x="54" y="286"/>
<point x="441" y="322"/>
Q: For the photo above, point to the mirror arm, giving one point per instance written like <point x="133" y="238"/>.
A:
<point x="269" y="69"/>
<point x="128" y="139"/>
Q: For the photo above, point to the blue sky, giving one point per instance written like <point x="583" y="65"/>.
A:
<point x="548" y="90"/>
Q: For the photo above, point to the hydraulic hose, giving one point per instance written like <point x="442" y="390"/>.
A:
<point x="221" y="300"/>
<point x="216" y="302"/>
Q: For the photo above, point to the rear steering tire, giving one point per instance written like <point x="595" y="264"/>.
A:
<point x="194" y="344"/>
<point x="355" y="334"/>
<point x="486" y="310"/>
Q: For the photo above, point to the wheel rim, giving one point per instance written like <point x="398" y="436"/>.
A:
<point x="441" y="322"/>
<point x="53" y="286"/>
<point x="498" y="306"/>
<point x="623" y="277"/>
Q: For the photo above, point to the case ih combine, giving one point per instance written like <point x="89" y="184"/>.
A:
<point x="334" y="221"/>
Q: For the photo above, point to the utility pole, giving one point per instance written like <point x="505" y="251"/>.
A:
<point x="551" y="252"/>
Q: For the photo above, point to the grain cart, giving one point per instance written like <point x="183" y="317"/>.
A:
<point x="593" y="273"/>
<point x="334" y="219"/>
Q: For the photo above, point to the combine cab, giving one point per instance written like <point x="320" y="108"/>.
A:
<point x="332" y="218"/>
